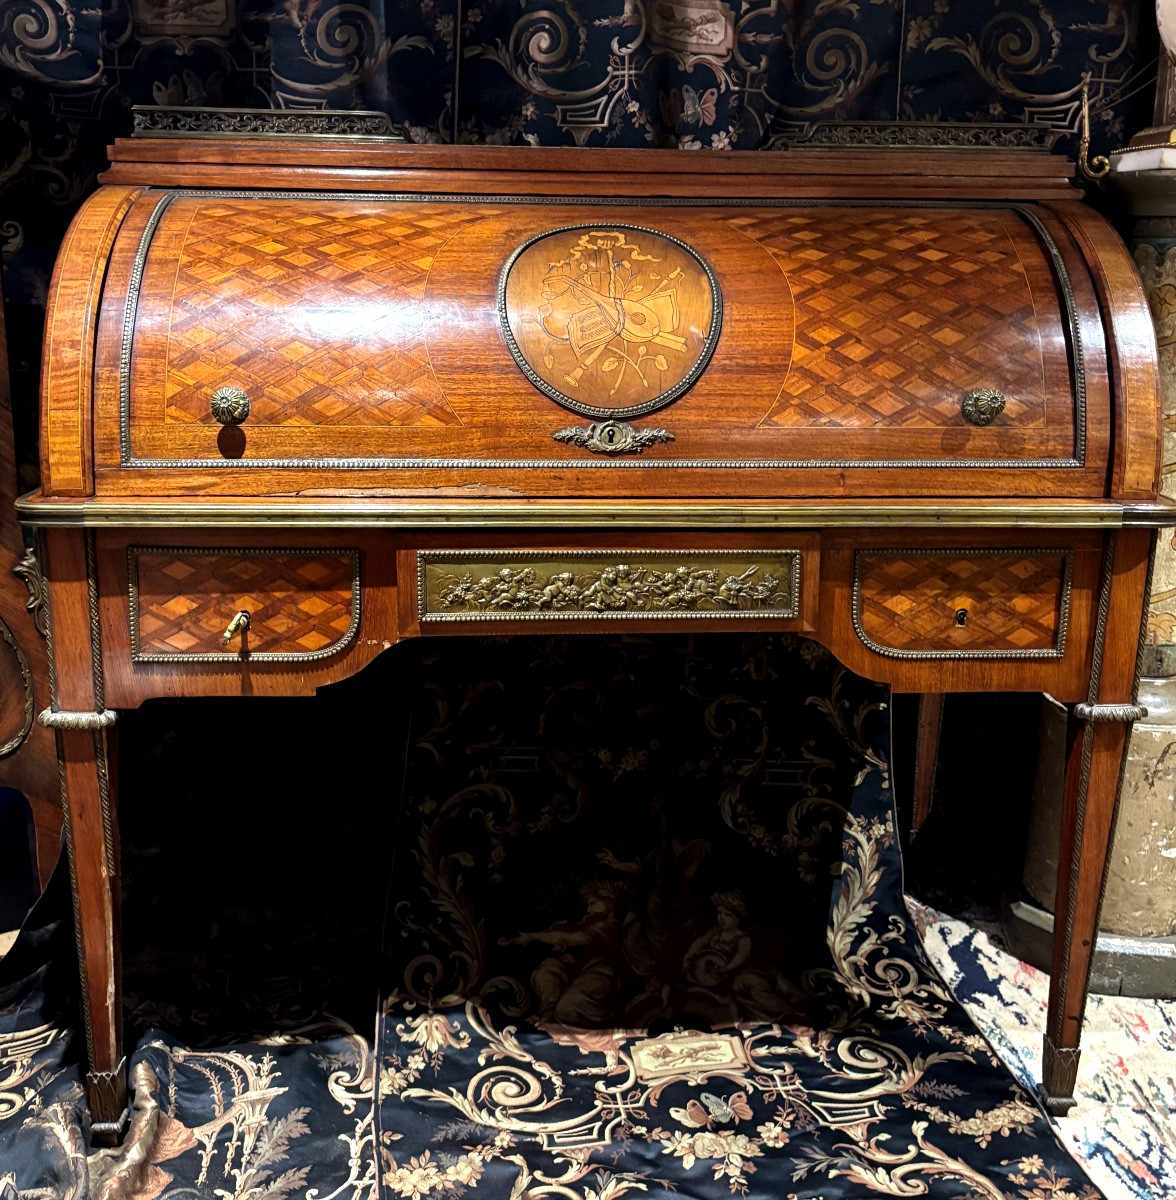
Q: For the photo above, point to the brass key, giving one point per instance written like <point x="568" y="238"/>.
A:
<point x="238" y="624"/>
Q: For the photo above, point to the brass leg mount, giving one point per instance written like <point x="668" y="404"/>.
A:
<point x="107" y="1094"/>
<point x="1059" y="1071"/>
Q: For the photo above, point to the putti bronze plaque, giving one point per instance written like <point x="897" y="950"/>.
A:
<point x="609" y="320"/>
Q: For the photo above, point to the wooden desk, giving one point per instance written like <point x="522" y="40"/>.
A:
<point x="305" y="399"/>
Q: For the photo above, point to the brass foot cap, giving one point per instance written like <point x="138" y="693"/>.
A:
<point x="1056" y="1106"/>
<point x="109" y="1133"/>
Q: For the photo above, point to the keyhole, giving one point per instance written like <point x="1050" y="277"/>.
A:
<point x="610" y="436"/>
<point x="961" y="617"/>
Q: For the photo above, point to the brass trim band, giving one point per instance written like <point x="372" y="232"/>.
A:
<point x="65" y="719"/>
<point x="379" y="512"/>
<point x="1125" y="713"/>
<point x="1073" y="325"/>
<point x="567" y="464"/>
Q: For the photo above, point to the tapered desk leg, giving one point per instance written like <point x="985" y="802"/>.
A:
<point x="85" y="747"/>
<point x="1096" y="750"/>
<point x="930" y="727"/>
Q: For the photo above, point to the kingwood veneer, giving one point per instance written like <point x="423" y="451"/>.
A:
<point x="305" y="399"/>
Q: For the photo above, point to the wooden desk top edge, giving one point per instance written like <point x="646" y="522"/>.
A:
<point x="426" y="512"/>
<point x="305" y="164"/>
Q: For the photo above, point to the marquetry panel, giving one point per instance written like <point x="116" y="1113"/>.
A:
<point x="301" y="605"/>
<point x="609" y="320"/>
<point x="491" y="585"/>
<point x="441" y="341"/>
<point x="313" y="311"/>
<point x="962" y="603"/>
<point x="900" y="311"/>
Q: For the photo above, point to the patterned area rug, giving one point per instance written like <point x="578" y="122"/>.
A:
<point x="639" y="939"/>
<point x="1124" y="1126"/>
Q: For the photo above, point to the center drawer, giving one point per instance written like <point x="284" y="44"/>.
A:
<point x="301" y="605"/>
<point x="696" y="584"/>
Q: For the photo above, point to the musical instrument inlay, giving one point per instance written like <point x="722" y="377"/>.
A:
<point x="610" y="321"/>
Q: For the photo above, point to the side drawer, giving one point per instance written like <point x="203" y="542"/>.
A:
<point x="962" y="603"/>
<point x="302" y="604"/>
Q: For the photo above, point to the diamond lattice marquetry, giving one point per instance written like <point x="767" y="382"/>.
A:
<point x="314" y="315"/>
<point x="912" y="602"/>
<point x="924" y="306"/>
<point x="297" y="603"/>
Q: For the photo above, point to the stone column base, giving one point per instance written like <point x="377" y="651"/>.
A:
<point x="1123" y="966"/>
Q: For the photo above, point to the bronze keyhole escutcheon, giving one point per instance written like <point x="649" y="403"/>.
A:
<point x="961" y="617"/>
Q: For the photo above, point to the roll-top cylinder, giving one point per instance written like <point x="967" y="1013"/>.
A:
<point x="540" y="344"/>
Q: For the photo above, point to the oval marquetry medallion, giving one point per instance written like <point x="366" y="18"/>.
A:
<point x="609" y="320"/>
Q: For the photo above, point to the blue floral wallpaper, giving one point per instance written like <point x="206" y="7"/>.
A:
<point x="696" y="74"/>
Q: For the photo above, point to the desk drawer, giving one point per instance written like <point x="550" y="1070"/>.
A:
<point x="302" y="604"/>
<point x="595" y="585"/>
<point x="962" y="603"/>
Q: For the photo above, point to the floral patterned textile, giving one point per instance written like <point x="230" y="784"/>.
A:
<point x="652" y="937"/>
<point x="42" y="1148"/>
<point x="645" y="934"/>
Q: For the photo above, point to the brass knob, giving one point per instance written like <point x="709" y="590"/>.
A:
<point x="238" y="624"/>
<point x="230" y="405"/>
<point x="983" y="405"/>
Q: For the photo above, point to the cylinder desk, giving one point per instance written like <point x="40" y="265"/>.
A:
<point x="304" y="397"/>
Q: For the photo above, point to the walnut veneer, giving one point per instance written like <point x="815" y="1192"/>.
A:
<point x="305" y="400"/>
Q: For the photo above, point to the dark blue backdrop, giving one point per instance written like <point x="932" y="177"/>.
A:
<point x="699" y="74"/>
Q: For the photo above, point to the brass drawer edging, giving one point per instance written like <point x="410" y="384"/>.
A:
<point x="606" y="558"/>
<point x="264" y="656"/>
<point x="1058" y="649"/>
